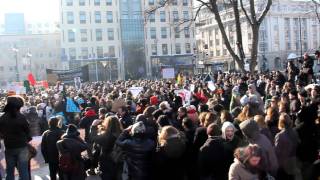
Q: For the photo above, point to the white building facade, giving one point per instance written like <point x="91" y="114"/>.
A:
<point x="36" y="53"/>
<point x="104" y="30"/>
<point x="279" y="35"/>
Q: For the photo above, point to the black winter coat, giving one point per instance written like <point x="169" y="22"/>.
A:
<point x="212" y="159"/>
<point x="15" y="131"/>
<point x="49" y="145"/>
<point x="138" y="153"/>
<point x="200" y="137"/>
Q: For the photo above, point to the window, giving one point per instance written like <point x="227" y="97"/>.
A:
<point x="224" y="52"/>
<point x="162" y="16"/>
<point x="163" y="32"/>
<point x="164" y="49"/>
<point x="69" y="2"/>
<point x="109" y="17"/>
<point x="186" y="15"/>
<point x="174" y="2"/>
<point x="84" y="52"/>
<point x="112" y="52"/>
<point x="151" y="2"/>
<point x="84" y="35"/>
<point x="72" y="53"/>
<point x="109" y="2"/>
<point x="217" y="42"/>
<point x="98" y="34"/>
<point x="176" y="32"/>
<point x="97" y="16"/>
<point x="82" y="2"/>
<point x="154" y="49"/>
<point x="178" y="48"/>
<point x="153" y="33"/>
<point x="82" y="17"/>
<point x="186" y="32"/>
<point x="152" y="17"/>
<point x="71" y="36"/>
<point x="188" y="48"/>
<point x="1" y="68"/>
<point x="100" y="52"/>
<point x="97" y="2"/>
<point x="11" y="68"/>
<point x="110" y="34"/>
<point x="175" y="16"/>
<point x="70" y="19"/>
<point x="185" y="2"/>
<point x="218" y="53"/>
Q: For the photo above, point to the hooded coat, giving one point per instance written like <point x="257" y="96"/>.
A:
<point x="170" y="160"/>
<point x="250" y="130"/>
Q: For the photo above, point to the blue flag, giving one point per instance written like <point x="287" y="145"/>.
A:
<point x="71" y="106"/>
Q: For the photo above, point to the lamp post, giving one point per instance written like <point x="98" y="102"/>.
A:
<point x="16" y="50"/>
<point x="29" y="55"/>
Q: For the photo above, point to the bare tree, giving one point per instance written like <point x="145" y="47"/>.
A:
<point x="236" y="7"/>
<point x="317" y="8"/>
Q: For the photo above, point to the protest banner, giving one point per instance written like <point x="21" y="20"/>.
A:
<point x="168" y="73"/>
<point x="135" y="91"/>
<point x="67" y="76"/>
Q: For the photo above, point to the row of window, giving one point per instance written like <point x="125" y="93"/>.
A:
<point x="164" y="49"/>
<point x="173" y="2"/>
<point x="84" y="35"/>
<point x="175" y="15"/>
<point x="84" y="53"/>
<point x="164" y="33"/>
<point x="84" y="2"/>
<point x="27" y="67"/>
<point x="83" y="17"/>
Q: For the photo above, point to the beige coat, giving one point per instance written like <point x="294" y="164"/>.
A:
<point x="238" y="171"/>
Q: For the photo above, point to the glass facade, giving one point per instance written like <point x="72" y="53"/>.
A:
<point x="132" y="37"/>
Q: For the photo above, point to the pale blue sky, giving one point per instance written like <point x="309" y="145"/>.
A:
<point x="34" y="10"/>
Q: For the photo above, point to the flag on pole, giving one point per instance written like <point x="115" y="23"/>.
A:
<point x="31" y="79"/>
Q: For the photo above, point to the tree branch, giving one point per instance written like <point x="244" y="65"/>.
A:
<point x="316" y="4"/>
<point x="245" y="12"/>
<point x="265" y="12"/>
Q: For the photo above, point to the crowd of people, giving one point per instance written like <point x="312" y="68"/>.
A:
<point x="237" y="126"/>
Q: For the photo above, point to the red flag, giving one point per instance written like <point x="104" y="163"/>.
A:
<point x="31" y="79"/>
<point x="45" y="84"/>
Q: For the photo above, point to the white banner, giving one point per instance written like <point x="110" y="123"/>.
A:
<point x="135" y="91"/>
<point x="168" y="73"/>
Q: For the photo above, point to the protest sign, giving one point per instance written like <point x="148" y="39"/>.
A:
<point x="211" y="86"/>
<point x="168" y="73"/>
<point x="184" y="94"/>
<point x="135" y="91"/>
<point x="71" y="106"/>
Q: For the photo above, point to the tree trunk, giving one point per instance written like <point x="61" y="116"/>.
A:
<point x="255" y="45"/>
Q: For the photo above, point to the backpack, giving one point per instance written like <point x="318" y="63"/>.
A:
<point x="67" y="163"/>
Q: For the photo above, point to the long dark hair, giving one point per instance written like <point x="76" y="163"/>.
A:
<point x="13" y="105"/>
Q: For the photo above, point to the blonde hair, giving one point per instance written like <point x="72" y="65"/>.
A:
<point x="284" y="121"/>
<point x="260" y="121"/>
<point x="244" y="114"/>
<point x="111" y="125"/>
<point x="166" y="133"/>
<point x="210" y="118"/>
<point x="202" y="117"/>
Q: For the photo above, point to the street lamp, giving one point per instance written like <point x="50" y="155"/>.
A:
<point x="300" y="28"/>
<point x="16" y="50"/>
<point x="29" y="55"/>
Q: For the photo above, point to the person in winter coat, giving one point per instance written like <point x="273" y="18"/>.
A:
<point x="34" y="121"/>
<point x="72" y="145"/>
<point x="231" y="141"/>
<point x="247" y="164"/>
<point x="105" y="135"/>
<point x="169" y="157"/>
<point x="49" y="147"/>
<point x="15" y="131"/>
<point x="286" y="143"/>
<point x="201" y="135"/>
<point x="125" y="118"/>
<point x="250" y="130"/>
<point x="263" y="128"/>
<point x="85" y="123"/>
<point x="138" y="151"/>
<point x="211" y="158"/>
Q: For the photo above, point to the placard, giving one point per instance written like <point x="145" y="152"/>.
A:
<point x="168" y="73"/>
<point x="135" y="91"/>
